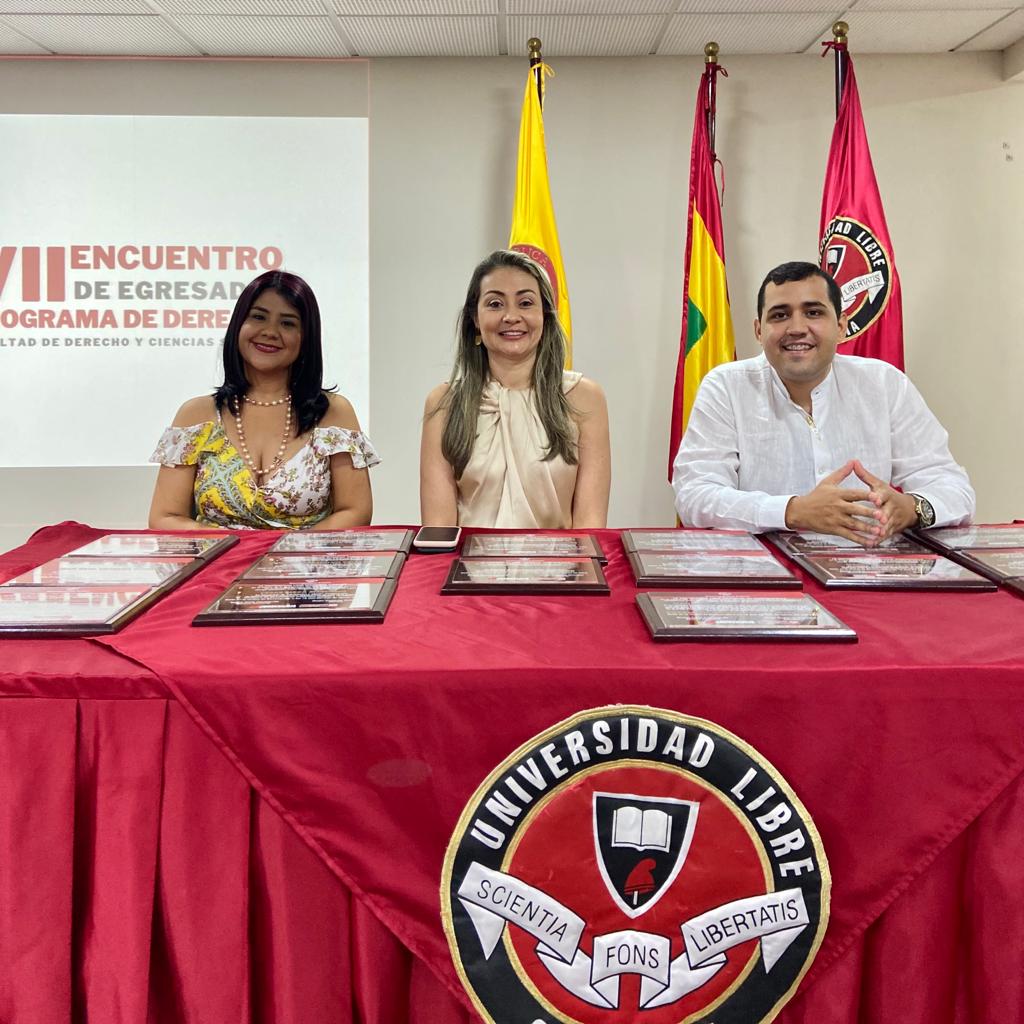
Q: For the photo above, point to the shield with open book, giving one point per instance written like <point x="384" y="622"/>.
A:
<point x="641" y="845"/>
<point x="834" y="256"/>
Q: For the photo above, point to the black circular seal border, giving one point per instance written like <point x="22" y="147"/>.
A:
<point x="494" y="986"/>
<point x="856" y="326"/>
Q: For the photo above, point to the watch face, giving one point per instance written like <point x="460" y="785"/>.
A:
<point x="925" y="512"/>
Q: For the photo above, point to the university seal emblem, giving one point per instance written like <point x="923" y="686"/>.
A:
<point x="862" y="268"/>
<point x="634" y="864"/>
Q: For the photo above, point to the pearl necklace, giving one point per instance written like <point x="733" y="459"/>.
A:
<point x="257" y="474"/>
<point x="267" y="405"/>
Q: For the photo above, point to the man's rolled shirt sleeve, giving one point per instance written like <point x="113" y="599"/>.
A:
<point x="921" y="459"/>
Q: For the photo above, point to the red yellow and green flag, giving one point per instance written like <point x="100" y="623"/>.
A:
<point x="533" y="215"/>
<point x="707" y="337"/>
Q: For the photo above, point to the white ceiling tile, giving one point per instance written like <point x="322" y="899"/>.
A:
<point x="999" y="36"/>
<point x="627" y="7"/>
<point x="74" y="7"/>
<point x="392" y="8"/>
<point x="263" y="37"/>
<point x="13" y="43"/>
<point x="241" y="7"/>
<point x="599" y="36"/>
<point x="742" y="33"/>
<point x="102" y="34"/>
<point x="901" y="6"/>
<point x="764" y="6"/>
<point x="423" y="37"/>
<point x="910" y="31"/>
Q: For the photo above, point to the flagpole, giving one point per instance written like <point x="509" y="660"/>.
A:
<point x="711" y="57"/>
<point x="706" y="336"/>
<point x="535" y="61"/>
<point x="840" y="31"/>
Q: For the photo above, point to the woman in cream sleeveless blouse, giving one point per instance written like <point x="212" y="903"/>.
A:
<point x="513" y="440"/>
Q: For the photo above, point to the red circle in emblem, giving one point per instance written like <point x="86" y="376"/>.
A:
<point x="557" y="853"/>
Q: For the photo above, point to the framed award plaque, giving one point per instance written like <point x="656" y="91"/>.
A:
<point x="997" y="564"/>
<point x="526" y="576"/>
<point x="327" y="564"/>
<point x="99" y="571"/>
<point x="726" y="569"/>
<point x="304" y="541"/>
<point x="529" y="545"/>
<point x="682" y="541"/>
<point x="719" y="615"/>
<point x="819" y="543"/>
<point x="70" y="611"/>
<point x="277" y="602"/>
<point x="885" y="571"/>
<point x="157" y="545"/>
<point x="954" y="538"/>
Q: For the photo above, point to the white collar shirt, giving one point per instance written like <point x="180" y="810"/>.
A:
<point x="749" y="448"/>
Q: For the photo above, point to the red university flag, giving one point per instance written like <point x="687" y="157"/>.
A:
<point x="855" y="246"/>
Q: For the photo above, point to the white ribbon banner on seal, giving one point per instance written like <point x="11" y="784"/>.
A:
<point x="871" y="283"/>
<point x="494" y="898"/>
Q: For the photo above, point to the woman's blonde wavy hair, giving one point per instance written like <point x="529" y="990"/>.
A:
<point x="471" y="370"/>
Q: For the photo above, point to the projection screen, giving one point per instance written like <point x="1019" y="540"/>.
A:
<point x="123" y="243"/>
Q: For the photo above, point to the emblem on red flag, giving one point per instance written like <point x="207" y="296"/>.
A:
<point x="858" y="261"/>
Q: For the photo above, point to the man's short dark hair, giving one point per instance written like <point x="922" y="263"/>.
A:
<point x="800" y="271"/>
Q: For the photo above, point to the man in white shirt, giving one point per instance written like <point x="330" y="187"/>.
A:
<point x="798" y="439"/>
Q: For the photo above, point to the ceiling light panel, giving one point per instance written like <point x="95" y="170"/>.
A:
<point x="741" y="33"/>
<point x="423" y="37"/>
<point x="102" y="34"/>
<point x="264" y="37"/>
<point x="600" y="36"/>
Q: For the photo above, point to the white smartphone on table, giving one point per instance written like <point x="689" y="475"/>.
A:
<point x="437" y="538"/>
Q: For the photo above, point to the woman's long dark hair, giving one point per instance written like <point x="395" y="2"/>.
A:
<point x="471" y="371"/>
<point x="306" y="374"/>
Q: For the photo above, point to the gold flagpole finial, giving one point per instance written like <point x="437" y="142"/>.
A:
<point x="537" y="67"/>
<point x="840" y="30"/>
<point x="711" y="53"/>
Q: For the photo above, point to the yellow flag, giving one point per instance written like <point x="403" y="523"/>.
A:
<point x="533" y="217"/>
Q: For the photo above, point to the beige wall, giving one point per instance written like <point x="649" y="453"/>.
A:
<point x="946" y="134"/>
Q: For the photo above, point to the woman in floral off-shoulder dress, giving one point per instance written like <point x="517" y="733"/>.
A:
<point x="270" y="448"/>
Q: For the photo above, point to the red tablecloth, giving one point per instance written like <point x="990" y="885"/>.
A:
<point x="906" y="749"/>
<point x="144" y="881"/>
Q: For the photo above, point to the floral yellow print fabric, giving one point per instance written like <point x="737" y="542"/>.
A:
<point x="297" y="495"/>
